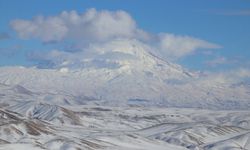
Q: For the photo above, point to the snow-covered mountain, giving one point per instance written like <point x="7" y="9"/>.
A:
<point x="72" y="105"/>
<point x="123" y="73"/>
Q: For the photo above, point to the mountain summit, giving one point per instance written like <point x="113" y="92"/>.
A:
<point x="123" y="73"/>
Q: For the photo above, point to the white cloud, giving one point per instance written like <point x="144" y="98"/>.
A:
<point x="93" y="27"/>
<point x="217" y="61"/>
<point x="243" y="73"/>
<point x="49" y="29"/>
<point x="221" y="60"/>
<point x="228" y="77"/>
<point x="115" y="51"/>
<point x="175" y="46"/>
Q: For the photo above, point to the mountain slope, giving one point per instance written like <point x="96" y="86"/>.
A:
<point x="124" y="73"/>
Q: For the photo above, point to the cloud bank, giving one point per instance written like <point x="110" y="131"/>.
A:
<point x="217" y="61"/>
<point x="90" y="26"/>
<point x="180" y="46"/>
<point x="98" y="27"/>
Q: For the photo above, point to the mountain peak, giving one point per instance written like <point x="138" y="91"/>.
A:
<point x="123" y="72"/>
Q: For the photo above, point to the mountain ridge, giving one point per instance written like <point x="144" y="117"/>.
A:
<point x="144" y="80"/>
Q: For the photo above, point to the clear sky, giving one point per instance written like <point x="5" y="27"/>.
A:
<point x="224" y="23"/>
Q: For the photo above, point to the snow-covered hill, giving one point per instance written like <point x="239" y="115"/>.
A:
<point x="71" y="106"/>
<point x="123" y="73"/>
<point x="123" y="128"/>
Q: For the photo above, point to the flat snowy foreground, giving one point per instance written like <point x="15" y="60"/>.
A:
<point x="39" y="126"/>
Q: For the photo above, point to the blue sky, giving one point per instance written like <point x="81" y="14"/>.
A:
<point x="222" y="22"/>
